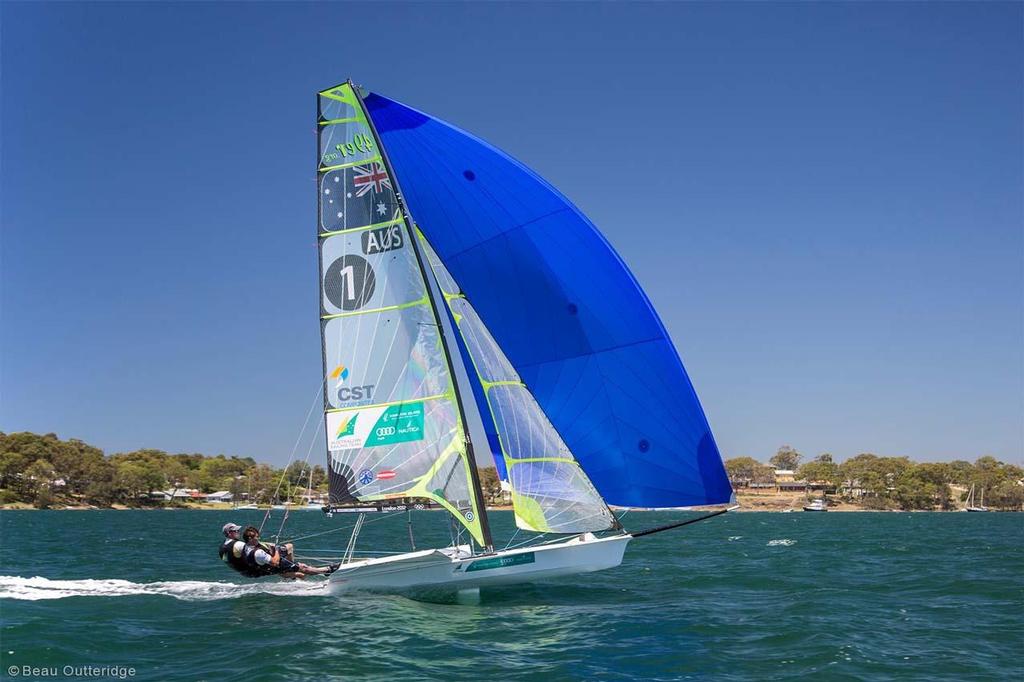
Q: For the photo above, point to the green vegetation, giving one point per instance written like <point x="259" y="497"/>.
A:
<point x="45" y="471"/>
<point x="786" y="458"/>
<point x="891" y="482"/>
<point x="747" y="470"/>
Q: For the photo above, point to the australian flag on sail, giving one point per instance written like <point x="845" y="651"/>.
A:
<point x="356" y="197"/>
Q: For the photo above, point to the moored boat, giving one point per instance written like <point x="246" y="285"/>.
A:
<point x="972" y="505"/>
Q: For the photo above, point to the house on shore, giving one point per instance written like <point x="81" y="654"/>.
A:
<point x="177" y="494"/>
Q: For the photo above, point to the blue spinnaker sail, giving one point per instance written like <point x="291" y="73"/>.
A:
<point x="563" y="307"/>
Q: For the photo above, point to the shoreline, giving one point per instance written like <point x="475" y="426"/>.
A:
<point x="743" y="509"/>
<point x="775" y="502"/>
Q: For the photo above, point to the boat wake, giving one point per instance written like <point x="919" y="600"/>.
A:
<point x="34" y="589"/>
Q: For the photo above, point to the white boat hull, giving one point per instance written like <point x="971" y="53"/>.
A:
<point x="455" y="568"/>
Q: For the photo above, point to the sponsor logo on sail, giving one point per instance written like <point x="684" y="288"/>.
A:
<point x="349" y="394"/>
<point x="355" y="393"/>
<point x="347" y="426"/>
<point x="366" y="477"/>
<point x="376" y="426"/>
<point x="386" y="474"/>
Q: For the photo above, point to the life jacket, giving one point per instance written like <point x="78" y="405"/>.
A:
<point x="227" y="555"/>
<point x="252" y="567"/>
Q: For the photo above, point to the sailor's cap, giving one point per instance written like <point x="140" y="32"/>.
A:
<point x="228" y="527"/>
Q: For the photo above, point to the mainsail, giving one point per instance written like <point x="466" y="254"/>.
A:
<point x="571" y="320"/>
<point x="550" y="492"/>
<point x="395" y="427"/>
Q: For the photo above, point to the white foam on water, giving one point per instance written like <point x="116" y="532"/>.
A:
<point x="785" y="542"/>
<point x="734" y="538"/>
<point x="34" y="589"/>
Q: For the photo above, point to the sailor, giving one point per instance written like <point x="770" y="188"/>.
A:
<point x="263" y="559"/>
<point x="232" y="547"/>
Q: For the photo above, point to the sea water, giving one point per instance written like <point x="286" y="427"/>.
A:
<point x="745" y="596"/>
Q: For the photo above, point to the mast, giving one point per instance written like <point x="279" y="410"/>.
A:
<point x="477" y="490"/>
<point x="319" y="305"/>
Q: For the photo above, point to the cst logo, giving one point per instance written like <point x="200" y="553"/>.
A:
<point x="347" y="394"/>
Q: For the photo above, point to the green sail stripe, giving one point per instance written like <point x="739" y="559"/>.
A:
<point x="488" y="385"/>
<point x="527" y="460"/>
<point x="346" y="98"/>
<point x="387" y="223"/>
<point x="400" y="306"/>
<point x="529" y="511"/>
<point x="372" y="159"/>
<point x="333" y="121"/>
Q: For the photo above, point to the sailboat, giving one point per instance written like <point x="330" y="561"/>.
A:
<point x="467" y="305"/>
<point x="816" y="505"/>
<point x="973" y="505"/>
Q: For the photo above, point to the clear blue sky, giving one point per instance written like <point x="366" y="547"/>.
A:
<point x="823" y="201"/>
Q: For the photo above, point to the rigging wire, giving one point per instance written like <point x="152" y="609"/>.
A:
<point x="511" y="539"/>
<point x="305" y="468"/>
<point x="295" y="446"/>
<point x="385" y="515"/>
<point x="528" y="540"/>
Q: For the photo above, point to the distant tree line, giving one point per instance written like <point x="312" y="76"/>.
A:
<point x="892" y="482"/>
<point x="44" y="470"/>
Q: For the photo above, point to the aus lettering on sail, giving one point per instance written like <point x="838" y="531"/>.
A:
<point x="382" y="239"/>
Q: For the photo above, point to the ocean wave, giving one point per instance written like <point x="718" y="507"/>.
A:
<point x="36" y="588"/>
<point x="784" y="542"/>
